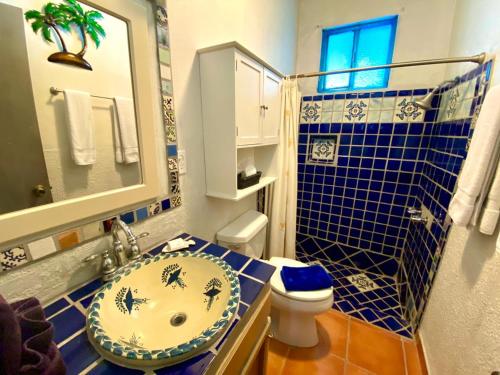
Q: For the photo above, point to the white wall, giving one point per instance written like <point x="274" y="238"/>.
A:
<point x="461" y="325"/>
<point x="423" y="32"/>
<point x="268" y="28"/>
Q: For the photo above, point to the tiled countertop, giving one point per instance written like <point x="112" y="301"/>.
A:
<point x="67" y="313"/>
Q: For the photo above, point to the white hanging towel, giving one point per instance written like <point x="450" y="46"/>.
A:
<point x="491" y="211"/>
<point x="81" y="126"/>
<point x="480" y="164"/>
<point x="125" y="132"/>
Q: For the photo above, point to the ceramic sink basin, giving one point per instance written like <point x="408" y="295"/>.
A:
<point x="163" y="310"/>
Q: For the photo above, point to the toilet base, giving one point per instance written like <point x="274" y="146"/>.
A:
<point x="293" y="322"/>
<point x="295" y="329"/>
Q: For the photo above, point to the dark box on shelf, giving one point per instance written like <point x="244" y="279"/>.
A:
<point x="244" y="182"/>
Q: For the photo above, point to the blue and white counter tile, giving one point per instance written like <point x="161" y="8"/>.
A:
<point x="68" y="312"/>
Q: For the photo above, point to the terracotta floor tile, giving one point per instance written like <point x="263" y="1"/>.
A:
<point x="375" y="350"/>
<point x="325" y="365"/>
<point x="276" y="357"/>
<point x="412" y="358"/>
<point x="332" y="328"/>
<point x="355" y="370"/>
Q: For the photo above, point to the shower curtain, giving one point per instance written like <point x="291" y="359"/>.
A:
<point x="284" y="201"/>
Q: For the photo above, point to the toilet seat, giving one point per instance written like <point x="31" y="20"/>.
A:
<point x="277" y="285"/>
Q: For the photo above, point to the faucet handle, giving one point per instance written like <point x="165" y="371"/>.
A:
<point x="414" y="211"/>
<point x="142" y="235"/>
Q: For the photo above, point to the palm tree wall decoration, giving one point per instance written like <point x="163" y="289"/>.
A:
<point x="54" y="17"/>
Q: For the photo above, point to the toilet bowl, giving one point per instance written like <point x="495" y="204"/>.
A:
<point x="293" y="313"/>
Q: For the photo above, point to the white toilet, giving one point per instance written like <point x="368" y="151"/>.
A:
<point x="292" y="313"/>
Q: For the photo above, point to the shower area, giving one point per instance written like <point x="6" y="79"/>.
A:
<point x="376" y="172"/>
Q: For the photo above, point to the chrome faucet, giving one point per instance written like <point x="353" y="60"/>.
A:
<point x="119" y="251"/>
<point x="116" y="260"/>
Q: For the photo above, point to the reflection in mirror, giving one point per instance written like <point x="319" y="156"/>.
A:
<point x="76" y="139"/>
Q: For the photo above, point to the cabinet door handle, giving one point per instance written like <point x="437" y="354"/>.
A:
<point x="264" y="107"/>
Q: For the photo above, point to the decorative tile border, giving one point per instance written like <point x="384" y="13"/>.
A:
<point x="366" y="107"/>
<point x="18" y="255"/>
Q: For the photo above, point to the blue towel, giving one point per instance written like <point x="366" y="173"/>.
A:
<point x="303" y="279"/>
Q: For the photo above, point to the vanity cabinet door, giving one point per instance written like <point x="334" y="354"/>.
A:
<point x="272" y="108"/>
<point x="248" y="99"/>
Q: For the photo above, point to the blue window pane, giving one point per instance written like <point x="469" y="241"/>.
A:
<point x="339" y="56"/>
<point x="360" y="44"/>
<point x="373" y="49"/>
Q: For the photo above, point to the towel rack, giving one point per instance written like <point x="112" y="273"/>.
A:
<point x="55" y="91"/>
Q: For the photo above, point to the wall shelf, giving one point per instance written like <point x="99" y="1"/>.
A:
<point x="242" y="193"/>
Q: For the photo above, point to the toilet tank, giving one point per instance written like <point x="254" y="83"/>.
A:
<point x="245" y="235"/>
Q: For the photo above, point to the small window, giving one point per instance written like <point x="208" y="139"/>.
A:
<point x="356" y="45"/>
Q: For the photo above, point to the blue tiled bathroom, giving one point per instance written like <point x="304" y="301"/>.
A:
<point x="258" y="187"/>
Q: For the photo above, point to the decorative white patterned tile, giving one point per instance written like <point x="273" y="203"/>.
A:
<point x="451" y="104"/>
<point x="375" y="103"/>
<point x="362" y="282"/>
<point x="336" y="116"/>
<point x="323" y="149"/>
<point x="176" y="201"/>
<point x="168" y="103"/>
<point x="355" y="110"/>
<point x="43" y="247"/>
<point x="386" y="116"/>
<point x="388" y="103"/>
<point x="407" y="111"/>
<point x="338" y="105"/>
<point x="327" y="105"/>
<point x="373" y="116"/>
<point x="12" y="258"/>
<point x="311" y="112"/>
<point x="172" y="164"/>
<point x="154" y="209"/>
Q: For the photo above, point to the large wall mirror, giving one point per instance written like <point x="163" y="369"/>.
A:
<point x="80" y="112"/>
<point x="67" y="132"/>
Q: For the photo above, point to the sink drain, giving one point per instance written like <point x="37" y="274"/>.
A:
<point x="178" y="319"/>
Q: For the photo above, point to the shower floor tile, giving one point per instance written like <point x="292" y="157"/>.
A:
<point x="378" y="304"/>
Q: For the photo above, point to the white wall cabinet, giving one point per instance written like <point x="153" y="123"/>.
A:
<point x="241" y="99"/>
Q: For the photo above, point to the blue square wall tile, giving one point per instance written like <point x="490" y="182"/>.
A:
<point x="128" y="217"/>
<point x="172" y="150"/>
<point x="165" y="204"/>
<point x="142" y="213"/>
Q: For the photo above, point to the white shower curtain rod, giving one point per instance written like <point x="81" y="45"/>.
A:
<point x="478" y="59"/>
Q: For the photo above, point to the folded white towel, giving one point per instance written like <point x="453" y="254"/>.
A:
<point x="125" y="132"/>
<point x="480" y="164"/>
<point x="81" y="126"/>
